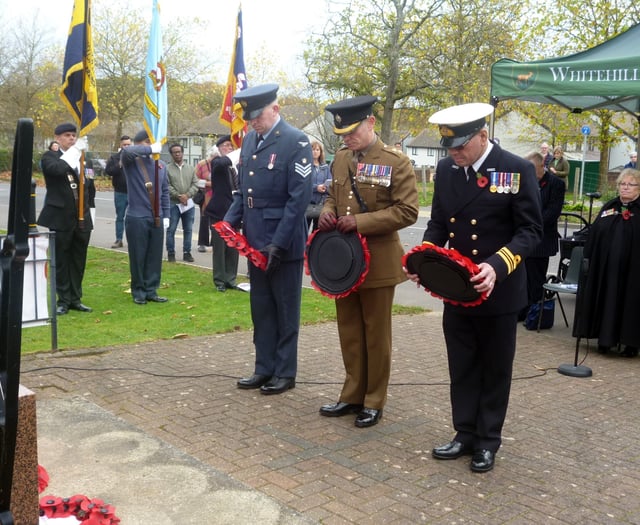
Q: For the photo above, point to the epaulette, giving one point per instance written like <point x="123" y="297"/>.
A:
<point x="394" y="151"/>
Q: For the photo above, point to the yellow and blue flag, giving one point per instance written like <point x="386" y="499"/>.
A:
<point x="79" y="91"/>
<point x="155" y="84"/>
<point x="231" y="114"/>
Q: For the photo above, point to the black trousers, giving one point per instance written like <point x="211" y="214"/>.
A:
<point x="480" y="350"/>
<point x="71" y="259"/>
<point x="204" y="230"/>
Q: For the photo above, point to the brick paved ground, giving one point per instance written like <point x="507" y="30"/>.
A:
<point x="570" y="453"/>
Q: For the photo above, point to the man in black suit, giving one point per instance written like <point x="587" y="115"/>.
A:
<point x="552" y="191"/>
<point x="486" y="206"/>
<point x="60" y="214"/>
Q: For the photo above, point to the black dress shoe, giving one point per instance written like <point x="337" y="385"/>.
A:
<point x="139" y="301"/>
<point x="452" y="450"/>
<point x="157" y="299"/>
<point x="368" y="417"/>
<point x="339" y="409"/>
<point x="629" y="351"/>
<point x="80" y="307"/>
<point x="482" y="460"/>
<point x="62" y="309"/>
<point x="277" y="385"/>
<point x="255" y="381"/>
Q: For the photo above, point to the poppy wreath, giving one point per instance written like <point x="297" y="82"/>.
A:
<point x="238" y="241"/>
<point x="455" y="256"/>
<point x="361" y="276"/>
<point x="89" y="511"/>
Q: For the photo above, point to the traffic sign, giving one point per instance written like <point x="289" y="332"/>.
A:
<point x="586" y="130"/>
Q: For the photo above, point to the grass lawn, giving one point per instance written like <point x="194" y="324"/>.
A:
<point x="195" y="308"/>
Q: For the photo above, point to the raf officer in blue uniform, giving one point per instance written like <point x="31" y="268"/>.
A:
<point x="486" y="206"/>
<point x="274" y="190"/>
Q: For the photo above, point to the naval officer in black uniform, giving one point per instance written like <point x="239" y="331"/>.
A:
<point x="486" y="206"/>
<point x="274" y="190"/>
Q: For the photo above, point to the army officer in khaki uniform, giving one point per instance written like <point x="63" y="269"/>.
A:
<point x="373" y="193"/>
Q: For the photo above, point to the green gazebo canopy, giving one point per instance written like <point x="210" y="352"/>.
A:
<point x="606" y="76"/>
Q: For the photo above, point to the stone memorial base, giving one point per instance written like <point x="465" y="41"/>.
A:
<point x="24" y="490"/>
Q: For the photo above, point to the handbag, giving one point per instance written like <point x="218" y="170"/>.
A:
<point x="313" y="211"/>
<point x="548" y="314"/>
<point x="198" y="198"/>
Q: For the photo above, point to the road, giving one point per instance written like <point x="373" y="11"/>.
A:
<point x="103" y="236"/>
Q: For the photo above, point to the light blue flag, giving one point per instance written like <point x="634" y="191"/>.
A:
<point x="155" y="83"/>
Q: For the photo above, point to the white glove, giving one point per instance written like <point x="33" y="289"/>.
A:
<point x="82" y="143"/>
<point x="165" y="223"/>
<point x="72" y="157"/>
<point x="156" y="147"/>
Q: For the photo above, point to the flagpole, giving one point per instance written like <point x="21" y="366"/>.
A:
<point x="156" y="203"/>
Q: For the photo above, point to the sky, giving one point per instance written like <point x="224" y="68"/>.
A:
<point x="278" y="26"/>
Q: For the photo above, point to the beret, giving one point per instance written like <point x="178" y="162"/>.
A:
<point x="141" y="136"/>
<point x="223" y="139"/>
<point x="64" y="128"/>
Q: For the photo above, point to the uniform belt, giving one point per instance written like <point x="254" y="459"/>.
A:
<point x="252" y="202"/>
<point x="73" y="185"/>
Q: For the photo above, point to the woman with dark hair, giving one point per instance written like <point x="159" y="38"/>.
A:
<point x="321" y="178"/>
<point x="607" y="303"/>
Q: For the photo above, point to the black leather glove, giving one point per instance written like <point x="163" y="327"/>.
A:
<point x="273" y="255"/>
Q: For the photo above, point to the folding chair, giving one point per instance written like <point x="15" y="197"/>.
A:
<point x="567" y="285"/>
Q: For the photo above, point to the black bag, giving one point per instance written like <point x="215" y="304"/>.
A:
<point x="548" y="314"/>
<point x="313" y="211"/>
<point x="198" y="198"/>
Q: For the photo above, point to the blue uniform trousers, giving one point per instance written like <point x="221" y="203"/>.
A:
<point x="144" y="244"/>
<point x="275" y="312"/>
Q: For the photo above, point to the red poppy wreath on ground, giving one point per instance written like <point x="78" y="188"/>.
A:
<point x="88" y="511"/>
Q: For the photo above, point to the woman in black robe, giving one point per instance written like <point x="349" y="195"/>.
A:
<point x="608" y="306"/>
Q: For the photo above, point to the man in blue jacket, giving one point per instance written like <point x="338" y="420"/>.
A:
<point x="144" y="233"/>
<point x="274" y="190"/>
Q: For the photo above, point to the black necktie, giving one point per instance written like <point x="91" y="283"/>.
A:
<point x="471" y="173"/>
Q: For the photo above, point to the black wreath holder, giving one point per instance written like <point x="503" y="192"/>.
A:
<point x="338" y="263"/>
<point x="444" y="273"/>
<point x="239" y="242"/>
